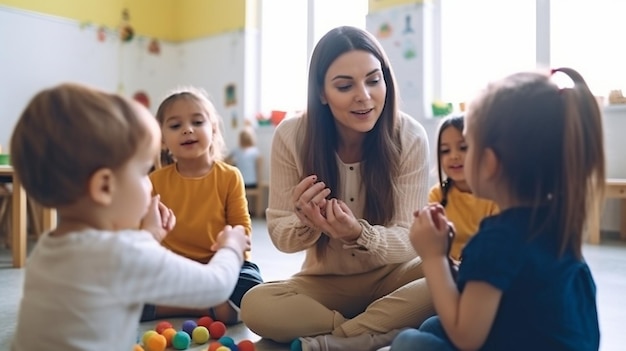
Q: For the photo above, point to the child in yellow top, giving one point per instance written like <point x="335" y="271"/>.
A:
<point x="462" y="208"/>
<point x="205" y="194"/>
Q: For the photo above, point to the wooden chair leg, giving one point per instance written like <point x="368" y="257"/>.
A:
<point x="5" y="221"/>
<point x="35" y="213"/>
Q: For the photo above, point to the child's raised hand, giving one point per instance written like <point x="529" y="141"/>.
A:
<point x="429" y="233"/>
<point x="153" y="220"/>
<point x="168" y="219"/>
<point x="233" y="237"/>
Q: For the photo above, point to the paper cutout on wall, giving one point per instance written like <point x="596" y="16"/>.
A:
<point x="126" y="30"/>
<point x="154" y="47"/>
<point x="230" y="93"/>
<point x="101" y="34"/>
<point x="384" y="31"/>
<point x="142" y="98"/>
<point x="407" y="25"/>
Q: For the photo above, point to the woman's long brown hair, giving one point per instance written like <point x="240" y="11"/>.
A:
<point x="381" y="148"/>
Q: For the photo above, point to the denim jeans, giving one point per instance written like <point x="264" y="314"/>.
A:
<point x="429" y="337"/>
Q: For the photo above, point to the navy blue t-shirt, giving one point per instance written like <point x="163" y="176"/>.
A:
<point x="548" y="302"/>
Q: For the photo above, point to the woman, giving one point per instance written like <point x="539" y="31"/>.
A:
<point x="346" y="178"/>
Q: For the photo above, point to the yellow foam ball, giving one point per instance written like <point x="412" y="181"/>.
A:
<point x="156" y="342"/>
<point x="222" y="348"/>
<point x="200" y="335"/>
<point x="147" y="335"/>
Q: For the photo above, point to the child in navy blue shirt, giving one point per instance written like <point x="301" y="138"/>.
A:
<point x="537" y="151"/>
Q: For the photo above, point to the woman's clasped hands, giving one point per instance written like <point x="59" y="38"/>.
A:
<point x="331" y="216"/>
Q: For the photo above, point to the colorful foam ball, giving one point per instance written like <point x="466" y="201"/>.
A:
<point x="217" y="329"/>
<point x="200" y="335"/>
<point x="296" y="345"/>
<point x="161" y="326"/>
<point x="189" y="326"/>
<point x="214" y="346"/>
<point x="205" y="321"/>
<point x="147" y="335"/>
<point x="169" y="335"/>
<point x="138" y="347"/>
<point x="226" y="341"/>
<point x="246" y="345"/>
<point x="222" y="348"/>
<point x="156" y="342"/>
<point x="181" y="340"/>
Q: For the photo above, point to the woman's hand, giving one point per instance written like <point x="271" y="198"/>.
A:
<point x="340" y="222"/>
<point x="429" y="233"/>
<point x="309" y="199"/>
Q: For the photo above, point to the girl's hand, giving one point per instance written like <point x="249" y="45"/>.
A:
<point x="153" y="220"/>
<point x="233" y="237"/>
<point x="168" y="220"/>
<point x="430" y="232"/>
<point x="309" y="199"/>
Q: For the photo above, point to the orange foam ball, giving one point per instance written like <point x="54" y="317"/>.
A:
<point x="205" y="321"/>
<point x="217" y="329"/>
<point x="138" y="347"/>
<point x="246" y="345"/>
<point x="146" y="336"/>
<point x="156" y="342"/>
<point x="169" y="335"/>
<point x="214" y="346"/>
<point x="161" y="326"/>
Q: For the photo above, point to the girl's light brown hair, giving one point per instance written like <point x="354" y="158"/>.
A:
<point x="549" y="142"/>
<point x="68" y="132"/>
<point x="247" y="137"/>
<point x="381" y="147"/>
<point x="198" y="96"/>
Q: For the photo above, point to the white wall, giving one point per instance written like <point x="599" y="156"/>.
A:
<point x="39" y="51"/>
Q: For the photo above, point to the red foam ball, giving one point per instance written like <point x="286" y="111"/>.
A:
<point x="246" y="345"/>
<point x="214" y="346"/>
<point x="161" y="326"/>
<point x="205" y="321"/>
<point x="217" y="329"/>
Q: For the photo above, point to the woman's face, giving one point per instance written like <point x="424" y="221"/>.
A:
<point x="355" y="91"/>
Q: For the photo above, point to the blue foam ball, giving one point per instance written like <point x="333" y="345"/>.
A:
<point x="189" y="326"/>
<point x="226" y="341"/>
<point x="296" y="345"/>
<point x="181" y="340"/>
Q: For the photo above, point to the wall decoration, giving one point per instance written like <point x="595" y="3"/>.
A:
<point x="101" y="34"/>
<point x="154" y="47"/>
<point x="126" y="30"/>
<point x="230" y="95"/>
<point x="384" y="31"/>
<point x="142" y="98"/>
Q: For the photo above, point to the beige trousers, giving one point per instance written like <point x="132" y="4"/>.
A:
<point x="391" y="297"/>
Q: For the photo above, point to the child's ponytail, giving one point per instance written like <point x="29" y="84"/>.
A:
<point x="583" y="166"/>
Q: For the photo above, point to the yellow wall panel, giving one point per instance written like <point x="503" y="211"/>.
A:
<point x="200" y="18"/>
<point x="377" y="5"/>
<point x="172" y="20"/>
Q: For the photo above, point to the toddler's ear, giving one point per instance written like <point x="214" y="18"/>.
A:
<point x="490" y="164"/>
<point x="101" y="185"/>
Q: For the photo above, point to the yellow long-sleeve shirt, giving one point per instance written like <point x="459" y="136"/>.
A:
<point x="203" y="206"/>
<point x="464" y="210"/>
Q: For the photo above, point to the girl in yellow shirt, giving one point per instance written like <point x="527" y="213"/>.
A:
<point x="205" y="194"/>
<point x="463" y="209"/>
